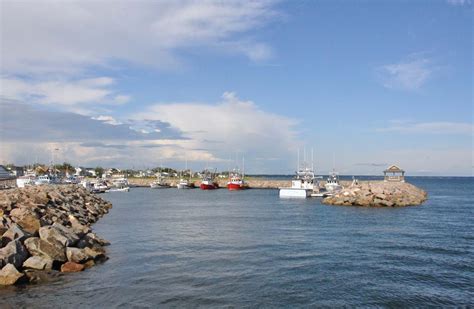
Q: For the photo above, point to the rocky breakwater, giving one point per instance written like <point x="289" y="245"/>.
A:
<point x="378" y="194"/>
<point x="45" y="230"/>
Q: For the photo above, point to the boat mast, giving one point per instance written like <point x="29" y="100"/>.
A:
<point x="298" y="162"/>
<point x="304" y="157"/>
<point x="243" y="167"/>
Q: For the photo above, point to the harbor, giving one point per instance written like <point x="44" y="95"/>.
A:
<point x="196" y="241"/>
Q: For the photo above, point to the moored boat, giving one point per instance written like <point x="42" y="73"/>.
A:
<point x="332" y="184"/>
<point x="119" y="184"/>
<point x="236" y="181"/>
<point x="304" y="183"/>
<point x="43" y="180"/>
<point x="208" y="182"/>
<point x="160" y="183"/>
<point x="25" y="181"/>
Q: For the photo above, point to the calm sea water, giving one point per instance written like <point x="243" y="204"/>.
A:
<point x="193" y="248"/>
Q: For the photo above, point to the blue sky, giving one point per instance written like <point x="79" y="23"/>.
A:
<point x="369" y="82"/>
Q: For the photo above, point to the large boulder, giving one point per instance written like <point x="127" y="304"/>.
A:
<point x="14" y="233"/>
<point x="38" y="262"/>
<point x="77" y="255"/>
<point x="14" y="253"/>
<point x="71" y="267"/>
<point x="9" y="275"/>
<point x="26" y="219"/>
<point x="40" y="247"/>
<point x="77" y="227"/>
<point x="58" y="234"/>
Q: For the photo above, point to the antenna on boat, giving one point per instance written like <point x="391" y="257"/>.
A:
<point x="333" y="161"/>
<point x="312" y="159"/>
<point x="243" y="166"/>
<point x="298" y="162"/>
<point x="304" y="157"/>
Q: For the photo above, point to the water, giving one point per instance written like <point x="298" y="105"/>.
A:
<point x="193" y="248"/>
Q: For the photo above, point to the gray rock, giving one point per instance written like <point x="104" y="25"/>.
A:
<point x="38" y="262"/>
<point x="78" y="228"/>
<point x="59" y="234"/>
<point x="14" y="233"/>
<point x="77" y="255"/>
<point x="40" y="247"/>
<point x="14" y="253"/>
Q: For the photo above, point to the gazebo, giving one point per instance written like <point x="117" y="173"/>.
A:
<point x="394" y="174"/>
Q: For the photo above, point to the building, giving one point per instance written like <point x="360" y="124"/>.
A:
<point x="17" y="170"/>
<point x="7" y="180"/>
<point x="394" y="174"/>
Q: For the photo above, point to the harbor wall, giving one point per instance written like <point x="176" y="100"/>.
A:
<point x="46" y="230"/>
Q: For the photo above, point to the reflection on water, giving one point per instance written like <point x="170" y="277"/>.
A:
<point x="192" y="248"/>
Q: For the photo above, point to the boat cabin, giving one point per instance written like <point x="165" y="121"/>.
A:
<point x="394" y="174"/>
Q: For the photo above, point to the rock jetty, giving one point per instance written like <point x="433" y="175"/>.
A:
<point x="378" y="194"/>
<point x="45" y="230"/>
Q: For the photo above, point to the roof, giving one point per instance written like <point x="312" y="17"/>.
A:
<point x="5" y="174"/>
<point x="394" y="169"/>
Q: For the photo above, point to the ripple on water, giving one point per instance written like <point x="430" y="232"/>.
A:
<point x="199" y="249"/>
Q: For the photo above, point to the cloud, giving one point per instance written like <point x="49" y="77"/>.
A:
<point x="237" y="126"/>
<point x="409" y="74"/>
<point x="107" y="119"/>
<point x="67" y="93"/>
<point x="102" y="145"/>
<point x="441" y="127"/>
<point x="30" y="134"/>
<point x="23" y="123"/>
<point x="65" y="37"/>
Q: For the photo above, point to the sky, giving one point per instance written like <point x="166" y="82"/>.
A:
<point x="139" y="84"/>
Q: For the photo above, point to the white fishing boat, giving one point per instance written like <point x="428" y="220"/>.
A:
<point x="43" y="180"/>
<point x="25" y="181"/>
<point x="118" y="189"/>
<point x="119" y="184"/>
<point x="304" y="183"/>
<point x="159" y="183"/>
<point x="332" y="183"/>
<point x="185" y="184"/>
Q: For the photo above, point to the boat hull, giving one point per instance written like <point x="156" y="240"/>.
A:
<point x="236" y="186"/>
<point x="184" y="186"/>
<point x="295" y="192"/>
<point x="204" y="186"/>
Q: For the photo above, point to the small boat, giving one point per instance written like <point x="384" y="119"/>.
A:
<point x="25" y="181"/>
<point x="119" y="185"/>
<point x="185" y="184"/>
<point x="118" y="189"/>
<point x="71" y="180"/>
<point x="98" y="186"/>
<point x="208" y="182"/>
<point x="304" y="184"/>
<point x="43" y="180"/>
<point x="332" y="184"/>
<point x="236" y="181"/>
<point x="160" y="183"/>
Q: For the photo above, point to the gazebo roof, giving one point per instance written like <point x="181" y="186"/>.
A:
<point x="394" y="169"/>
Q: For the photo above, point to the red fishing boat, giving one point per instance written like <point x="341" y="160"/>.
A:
<point x="207" y="182"/>
<point x="236" y="181"/>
